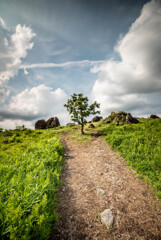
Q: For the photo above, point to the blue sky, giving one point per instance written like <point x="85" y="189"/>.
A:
<point x="108" y="50"/>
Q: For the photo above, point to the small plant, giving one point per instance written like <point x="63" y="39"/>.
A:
<point x="108" y="228"/>
<point x="20" y="127"/>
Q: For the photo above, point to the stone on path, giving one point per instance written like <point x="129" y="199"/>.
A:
<point x="107" y="217"/>
<point x="100" y="192"/>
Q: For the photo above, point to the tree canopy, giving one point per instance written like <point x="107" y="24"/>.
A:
<point x="79" y="109"/>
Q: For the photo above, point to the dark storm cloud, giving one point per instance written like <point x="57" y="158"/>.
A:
<point x="16" y="116"/>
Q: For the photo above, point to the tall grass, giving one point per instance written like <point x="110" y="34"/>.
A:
<point x="30" y="168"/>
<point x="140" y="145"/>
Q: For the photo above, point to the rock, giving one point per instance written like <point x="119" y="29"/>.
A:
<point x="117" y="123"/>
<point x="53" y="122"/>
<point x="119" y="117"/>
<point x="100" y="192"/>
<point x="107" y="217"/>
<point x="107" y="120"/>
<point x="91" y="126"/>
<point x="130" y="119"/>
<point x="40" y="124"/>
<point x="96" y="119"/>
<point x="154" y="116"/>
<point x="8" y="134"/>
<point x="5" y="141"/>
<point x="70" y="124"/>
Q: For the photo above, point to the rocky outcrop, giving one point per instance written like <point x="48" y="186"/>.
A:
<point x="40" y="124"/>
<point x="154" y="116"/>
<point x="120" y="118"/>
<point x="130" y="119"/>
<point x="107" y="120"/>
<point x="91" y="126"/>
<point x="96" y="119"/>
<point x="53" y="122"/>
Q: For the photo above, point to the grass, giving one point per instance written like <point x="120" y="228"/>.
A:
<point x="30" y="168"/>
<point x="140" y="145"/>
<point x="31" y="164"/>
<point x="81" y="138"/>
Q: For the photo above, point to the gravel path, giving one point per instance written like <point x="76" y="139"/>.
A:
<point x="93" y="165"/>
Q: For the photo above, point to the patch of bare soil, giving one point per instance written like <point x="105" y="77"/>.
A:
<point x="137" y="214"/>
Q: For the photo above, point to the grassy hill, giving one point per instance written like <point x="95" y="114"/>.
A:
<point x="31" y="164"/>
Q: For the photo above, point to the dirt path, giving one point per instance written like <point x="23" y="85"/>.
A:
<point x="137" y="214"/>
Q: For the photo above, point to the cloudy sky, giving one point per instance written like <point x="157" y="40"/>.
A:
<point x="49" y="49"/>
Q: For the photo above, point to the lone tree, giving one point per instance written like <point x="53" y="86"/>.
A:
<point x="78" y="108"/>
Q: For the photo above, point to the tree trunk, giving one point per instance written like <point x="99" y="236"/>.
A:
<point x="82" y="126"/>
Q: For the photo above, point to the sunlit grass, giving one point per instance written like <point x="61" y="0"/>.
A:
<point x="78" y="137"/>
<point x="140" y="145"/>
<point x="30" y="168"/>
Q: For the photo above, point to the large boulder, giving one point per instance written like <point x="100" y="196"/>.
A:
<point x="40" y="124"/>
<point x="130" y="119"/>
<point x="154" y="116"/>
<point x="107" y="120"/>
<point x="96" y="119"/>
<point x="116" y="117"/>
<point x="120" y="118"/>
<point x="53" y="122"/>
<point x="91" y="126"/>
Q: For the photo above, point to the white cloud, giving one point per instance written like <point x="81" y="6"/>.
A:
<point x="2" y="23"/>
<point x="83" y="63"/>
<point x="13" y="49"/>
<point x="3" y="94"/>
<point x="41" y="100"/>
<point x="25" y="71"/>
<point x="38" y="102"/>
<point x="127" y="84"/>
